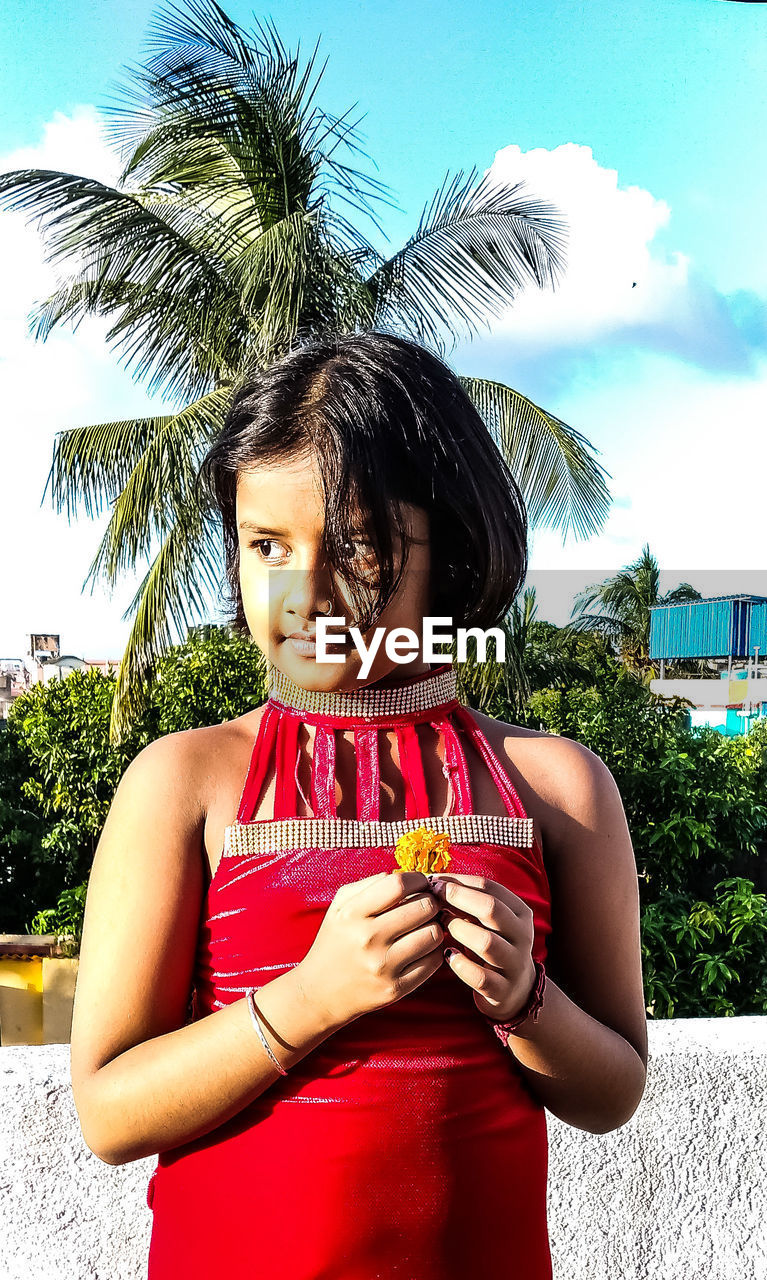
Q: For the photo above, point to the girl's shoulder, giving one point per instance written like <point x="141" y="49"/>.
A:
<point x="209" y="762"/>
<point x="554" y="776"/>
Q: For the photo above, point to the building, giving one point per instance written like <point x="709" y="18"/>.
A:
<point x="730" y="632"/>
<point x="42" y="663"/>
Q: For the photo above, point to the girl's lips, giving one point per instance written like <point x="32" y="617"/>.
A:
<point x="307" y="646"/>
<point x="303" y="645"/>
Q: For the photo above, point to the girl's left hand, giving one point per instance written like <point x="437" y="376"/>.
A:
<point x="503" y="937"/>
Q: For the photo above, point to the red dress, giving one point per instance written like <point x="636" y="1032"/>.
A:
<point x="407" y="1145"/>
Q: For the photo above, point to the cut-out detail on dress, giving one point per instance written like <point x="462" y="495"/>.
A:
<point x="431" y="699"/>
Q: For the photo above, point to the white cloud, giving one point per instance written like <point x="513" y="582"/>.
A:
<point x="74" y="143"/>
<point x="687" y="455"/>
<point x="667" y="380"/>
<point x="621" y="286"/>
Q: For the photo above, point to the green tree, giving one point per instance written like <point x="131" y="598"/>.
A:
<point x="223" y="243"/>
<point x="60" y="769"/>
<point x="625" y="601"/>
<point x="694" y="803"/>
<point x="23" y="875"/>
<point x="537" y="655"/>
<point x="214" y="676"/>
<point x="491" y="681"/>
<point x="558" y="658"/>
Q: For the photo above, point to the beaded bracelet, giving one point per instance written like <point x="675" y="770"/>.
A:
<point x="250" y="997"/>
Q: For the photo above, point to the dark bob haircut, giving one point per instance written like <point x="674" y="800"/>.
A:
<point x="389" y="423"/>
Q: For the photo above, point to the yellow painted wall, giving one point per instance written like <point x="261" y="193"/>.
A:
<point x="59" y="982"/>
<point x="36" y="999"/>
<point x="21" y="1000"/>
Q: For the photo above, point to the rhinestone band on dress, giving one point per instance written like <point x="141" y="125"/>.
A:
<point x="270" y="836"/>
<point x="434" y="689"/>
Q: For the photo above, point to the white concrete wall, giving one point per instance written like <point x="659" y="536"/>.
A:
<point x="710" y="692"/>
<point x="678" y="1193"/>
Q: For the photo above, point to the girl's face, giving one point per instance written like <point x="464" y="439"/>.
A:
<point x="286" y="583"/>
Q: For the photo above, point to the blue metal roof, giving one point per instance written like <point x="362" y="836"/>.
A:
<point x="719" y="627"/>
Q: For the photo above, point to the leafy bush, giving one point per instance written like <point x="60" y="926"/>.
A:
<point x="694" y="805"/>
<point x="696" y="952"/>
<point x="65" y="919"/>
<point x="693" y="798"/>
<point x="60" y="771"/>
<point x="25" y="878"/>
<point x="213" y="677"/>
<point x="73" y="772"/>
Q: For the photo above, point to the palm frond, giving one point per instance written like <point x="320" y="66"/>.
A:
<point x="626" y="600"/>
<point x="208" y="82"/>
<point x="159" y="486"/>
<point x="92" y="465"/>
<point x="682" y="594"/>
<point x="172" y="596"/>
<point x="129" y="253"/>
<point x="476" y="246"/>
<point x="222" y="241"/>
<point x="561" y="482"/>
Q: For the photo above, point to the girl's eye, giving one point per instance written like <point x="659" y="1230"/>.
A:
<point x="264" y="542"/>
<point x="362" y="556"/>
<point x="359" y="548"/>
<point x="357" y="544"/>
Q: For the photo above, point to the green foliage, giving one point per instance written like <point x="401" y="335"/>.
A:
<point x="693" y="798"/>
<point x="694" y="802"/>
<point x="538" y="656"/>
<point x="213" y="677"/>
<point x="624" y="604"/>
<point x="59" y="763"/>
<point x="65" y="919"/>
<point x="24" y="875"/>
<point x="706" y="956"/>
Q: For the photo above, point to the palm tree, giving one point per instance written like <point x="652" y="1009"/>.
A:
<point x="625" y="601"/>
<point x="217" y="249"/>
<point x="506" y="683"/>
<point x="537" y="655"/>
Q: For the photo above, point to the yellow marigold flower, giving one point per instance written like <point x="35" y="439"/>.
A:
<point x="423" y="850"/>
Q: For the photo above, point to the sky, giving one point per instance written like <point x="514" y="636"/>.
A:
<point x="642" y="120"/>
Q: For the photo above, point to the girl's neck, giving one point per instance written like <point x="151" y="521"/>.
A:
<point x="405" y="671"/>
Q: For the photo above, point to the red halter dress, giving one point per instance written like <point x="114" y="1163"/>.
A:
<point x="408" y="1145"/>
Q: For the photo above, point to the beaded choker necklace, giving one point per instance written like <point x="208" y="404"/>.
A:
<point x="410" y="698"/>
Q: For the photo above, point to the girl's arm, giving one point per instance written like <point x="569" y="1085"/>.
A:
<point x="142" y="1081"/>
<point x="586" y="1056"/>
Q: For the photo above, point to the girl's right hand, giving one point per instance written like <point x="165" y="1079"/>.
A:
<point x="378" y="941"/>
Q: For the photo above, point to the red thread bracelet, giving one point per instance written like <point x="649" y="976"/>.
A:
<point x="532" y="1007"/>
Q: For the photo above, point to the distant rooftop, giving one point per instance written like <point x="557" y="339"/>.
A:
<point x="683" y="604"/>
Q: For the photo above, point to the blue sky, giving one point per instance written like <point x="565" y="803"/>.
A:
<point x="644" y="119"/>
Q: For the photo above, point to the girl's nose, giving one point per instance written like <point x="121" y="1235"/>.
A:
<point x="308" y="592"/>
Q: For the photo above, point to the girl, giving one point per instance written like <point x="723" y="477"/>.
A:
<point x="357" y="1087"/>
